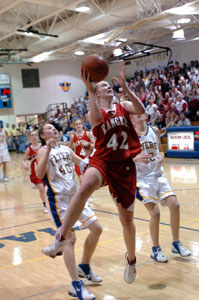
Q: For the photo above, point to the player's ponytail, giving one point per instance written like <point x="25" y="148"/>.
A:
<point x="40" y="132"/>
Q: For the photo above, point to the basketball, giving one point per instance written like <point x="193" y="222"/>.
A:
<point x="96" y="66"/>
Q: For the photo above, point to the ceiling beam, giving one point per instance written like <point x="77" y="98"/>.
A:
<point x="70" y="6"/>
<point x="10" y="6"/>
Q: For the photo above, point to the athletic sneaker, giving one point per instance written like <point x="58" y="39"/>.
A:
<point x="78" y="290"/>
<point x="85" y="271"/>
<point x="130" y="271"/>
<point x="5" y="178"/>
<point x="178" y="248"/>
<point x="45" y="210"/>
<point x="158" y="255"/>
<point x="56" y="248"/>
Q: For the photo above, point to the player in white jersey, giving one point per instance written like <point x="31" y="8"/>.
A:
<point x="4" y="154"/>
<point x="153" y="186"/>
<point x="56" y="166"/>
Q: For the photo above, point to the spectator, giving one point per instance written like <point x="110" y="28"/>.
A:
<point x="165" y="86"/>
<point x="139" y="84"/>
<point x="22" y="138"/>
<point x="183" y="121"/>
<point x="142" y="96"/>
<point x="8" y="137"/>
<point x="149" y="108"/>
<point x="196" y="64"/>
<point x="196" y="77"/>
<point x="161" y="106"/>
<point x="171" y="119"/>
<point x="193" y="107"/>
<point x="192" y="66"/>
<point x="15" y="134"/>
<point x="173" y="108"/>
<point x="181" y="104"/>
<point x="155" y="116"/>
<point x="166" y="98"/>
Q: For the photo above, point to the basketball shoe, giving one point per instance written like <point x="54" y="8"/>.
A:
<point x="78" y="290"/>
<point x="85" y="271"/>
<point x="130" y="271"/>
<point x="158" y="255"/>
<point x="5" y="179"/>
<point x="178" y="248"/>
<point x="56" y="248"/>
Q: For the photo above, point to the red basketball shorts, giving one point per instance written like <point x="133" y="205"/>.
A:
<point x="120" y="177"/>
<point x="35" y="180"/>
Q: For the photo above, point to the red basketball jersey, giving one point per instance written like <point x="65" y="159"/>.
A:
<point x="116" y="138"/>
<point x="32" y="155"/>
<point x="33" y="177"/>
<point x="78" y="149"/>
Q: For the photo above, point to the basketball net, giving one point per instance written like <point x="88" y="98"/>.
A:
<point x="147" y="8"/>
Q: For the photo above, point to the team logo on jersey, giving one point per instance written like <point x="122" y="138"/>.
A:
<point x="65" y="86"/>
<point x="114" y="122"/>
<point x="149" y="145"/>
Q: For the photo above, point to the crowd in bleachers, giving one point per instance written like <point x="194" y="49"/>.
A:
<point x="170" y="95"/>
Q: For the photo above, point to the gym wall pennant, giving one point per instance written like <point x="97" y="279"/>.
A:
<point x="65" y="86"/>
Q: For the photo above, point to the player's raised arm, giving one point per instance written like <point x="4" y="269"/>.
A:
<point x="136" y="106"/>
<point x="42" y="158"/>
<point x="94" y="112"/>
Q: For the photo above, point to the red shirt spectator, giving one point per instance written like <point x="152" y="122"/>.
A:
<point x="181" y="104"/>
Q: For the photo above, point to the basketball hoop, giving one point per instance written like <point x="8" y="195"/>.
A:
<point x="147" y="8"/>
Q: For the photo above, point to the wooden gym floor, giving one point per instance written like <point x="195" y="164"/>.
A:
<point x="24" y="230"/>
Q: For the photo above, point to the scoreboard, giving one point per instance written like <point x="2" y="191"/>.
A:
<point x="183" y="141"/>
<point x="5" y="91"/>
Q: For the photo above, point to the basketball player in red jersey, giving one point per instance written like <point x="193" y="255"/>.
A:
<point x="30" y="154"/>
<point x="111" y="163"/>
<point x="82" y="142"/>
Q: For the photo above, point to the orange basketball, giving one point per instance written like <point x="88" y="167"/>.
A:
<point x="96" y="66"/>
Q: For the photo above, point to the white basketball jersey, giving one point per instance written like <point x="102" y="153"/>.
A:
<point x="150" y="145"/>
<point x="60" y="174"/>
<point x="3" y="144"/>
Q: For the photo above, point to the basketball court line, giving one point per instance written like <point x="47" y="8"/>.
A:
<point x="76" y="250"/>
<point x="192" y="189"/>
<point x="148" y="262"/>
<point x="21" y="207"/>
<point x="146" y="220"/>
<point x="100" y="243"/>
<point x="34" y="205"/>
<point x="111" y="213"/>
<point x="15" y="226"/>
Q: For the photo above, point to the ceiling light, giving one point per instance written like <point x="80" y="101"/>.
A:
<point x="83" y="7"/>
<point x="117" y="52"/>
<point x="79" y="53"/>
<point x="122" y="40"/>
<point x="183" y="21"/>
<point x="178" y="34"/>
<point x="28" y="33"/>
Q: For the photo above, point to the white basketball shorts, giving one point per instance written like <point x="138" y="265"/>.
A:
<point x="58" y="205"/>
<point x="4" y="155"/>
<point x="150" y="189"/>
